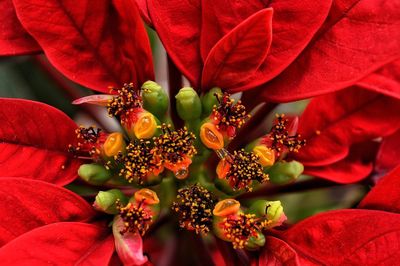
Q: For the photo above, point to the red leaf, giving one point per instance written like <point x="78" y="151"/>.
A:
<point x="178" y="24"/>
<point x="293" y="26"/>
<point x="144" y="11"/>
<point x="385" y="195"/>
<point x="389" y="153"/>
<point x="333" y="122"/>
<point x="14" y="40"/>
<point x="359" y="37"/>
<point x="277" y="252"/>
<point x="60" y="244"/>
<point x="34" y="139"/>
<point x="239" y="53"/>
<point x="97" y="44"/>
<point x="385" y="80"/>
<point x="347" y="237"/>
<point x="27" y="204"/>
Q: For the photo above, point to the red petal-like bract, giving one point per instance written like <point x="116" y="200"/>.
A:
<point x="144" y="11"/>
<point x="334" y="122"/>
<point x="27" y="204"/>
<point x="240" y="52"/>
<point x="97" y="44"/>
<point x="277" y="252"/>
<point x="389" y="153"/>
<point x="14" y="40"/>
<point x="293" y="26"/>
<point x="60" y="244"/>
<point x="34" y="139"/>
<point x="347" y="237"/>
<point x="178" y="24"/>
<point x="358" y="37"/>
<point x="385" y="195"/>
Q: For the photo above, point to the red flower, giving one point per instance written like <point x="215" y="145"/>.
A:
<point x="368" y="235"/>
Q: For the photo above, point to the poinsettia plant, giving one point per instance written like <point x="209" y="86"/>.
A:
<point x="194" y="173"/>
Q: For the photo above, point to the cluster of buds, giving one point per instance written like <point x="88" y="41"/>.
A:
<point x="149" y="148"/>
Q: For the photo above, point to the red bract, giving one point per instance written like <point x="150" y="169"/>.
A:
<point x="354" y="41"/>
<point x="388" y="156"/>
<point x="334" y="123"/>
<point x="95" y="44"/>
<point x="34" y="142"/>
<point x="359" y="236"/>
<point x="14" y="40"/>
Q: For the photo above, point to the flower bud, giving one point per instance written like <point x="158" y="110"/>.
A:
<point x="155" y="99"/>
<point x="114" y="144"/>
<point x="285" y="172"/>
<point x="188" y="104"/>
<point x="211" y="137"/>
<point x="146" y="195"/>
<point x="275" y="213"/>
<point x="208" y="100"/>
<point x="146" y="125"/>
<point x="94" y="174"/>
<point x="266" y="155"/>
<point x="105" y="201"/>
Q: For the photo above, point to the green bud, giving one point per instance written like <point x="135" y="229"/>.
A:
<point x="255" y="242"/>
<point x="285" y="172"/>
<point x="155" y="99"/>
<point x="208" y="100"/>
<point x="94" y="174"/>
<point x="105" y="201"/>
<point x="259" y="208"/>
<point x="275" y="213"/>
<point x="188" y="104"/>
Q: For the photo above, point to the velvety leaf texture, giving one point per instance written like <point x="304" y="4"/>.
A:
<point x="333" y="122"/>
<point x="239" y="53"/>
<point x="358" y="37"/>
<point x="34" y="139"/>
<point x="277" y="252"/>
<point x="97" y="44"/>
<point x="388" y="156"/>
<point x="178" y="24"/>
<point x="14" y="40"/>
<point x="347" y="237"/>
<point x="27" y="204"/>
<point x="385" y="195"/>
<point x="144" y="11"/>
<point x="59" y="244"/>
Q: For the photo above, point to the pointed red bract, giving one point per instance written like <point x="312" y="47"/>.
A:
<point x="34" y="142"/>
<point x="144" y="11"/>
<point x="293" y="26"/>
<point x="388" y="156"/>
<point x="385" y="80"/>
<point x="347" y="237"/>
<point x="385" y="195"/>
<point x="60" y="244"/>
<point x="277" y="252"/>
<point x="355" y="41"/>
<point x="239" y="53"/>
<point x="333" y="122"/>
<point x="27" y="204"/>
<point x="14" y="40"/>
<point x="178" y="24"/>
<point x="97" y="44"/>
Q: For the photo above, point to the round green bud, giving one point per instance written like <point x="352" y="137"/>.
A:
<point x="255" y="242"/>
<point x="155" y="99"/>
<point x="188" y="104"/>
<point x="105" y="201"/>
<point x="285" y="172"/>
<point x="94" y="174"/>
<point x="208" y="100"/>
